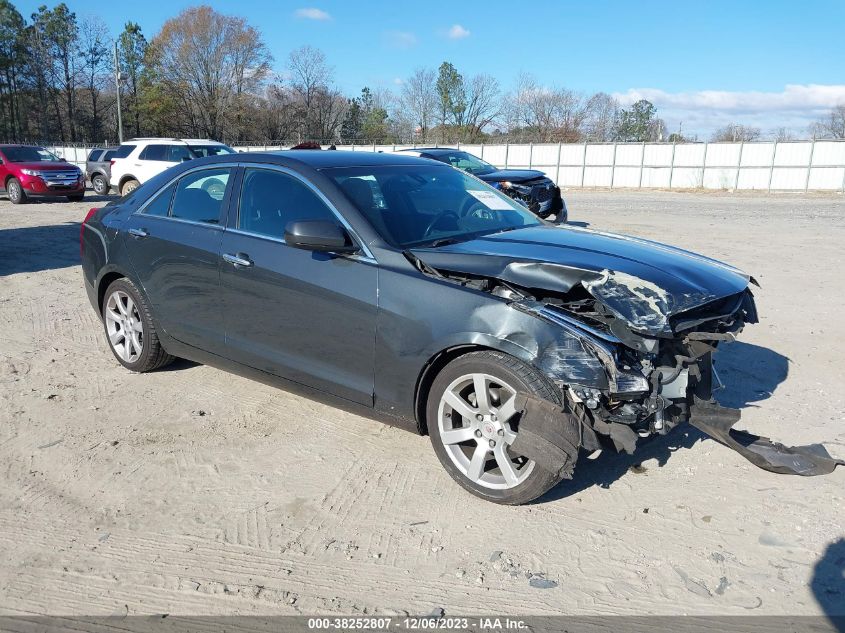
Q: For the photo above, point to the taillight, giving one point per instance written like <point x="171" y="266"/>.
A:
<point x="88" y="215"/>
<point x="111" y="162"/>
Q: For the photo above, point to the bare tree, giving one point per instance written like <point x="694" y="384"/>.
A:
<point x="204" y="60"/>
<point x="96" y="63"/>
<point x="782" y="134"/>
<point x="482" y="104"/>
<point x="601" y="117"/>
<point x="546" y="114"/>
<point x="736" y="133"/>
<point x="831" y="125"/>
<point x="310" y="79"/>
<point x="419" y="101"/>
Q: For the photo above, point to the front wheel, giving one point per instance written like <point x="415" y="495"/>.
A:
<point x="130" y="330"/>
<point x="16" y="192"/>
<point x="473" y="422"/>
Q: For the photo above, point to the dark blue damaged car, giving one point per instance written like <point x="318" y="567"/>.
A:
<point x="409" y="291"/>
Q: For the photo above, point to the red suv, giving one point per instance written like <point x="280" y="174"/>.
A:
<point x="27" y="171"/>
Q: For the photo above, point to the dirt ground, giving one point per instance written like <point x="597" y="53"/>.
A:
<point x="192" y="491"/>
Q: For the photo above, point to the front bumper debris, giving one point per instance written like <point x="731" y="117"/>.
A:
<point x="552" y="436"/>
<point x="716" y="421"/>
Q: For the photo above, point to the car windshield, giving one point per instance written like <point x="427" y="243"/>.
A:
<point x="467" y="162"/>
<point x="428" y="205"/>
<point x="202" y="151"/>
<point x="29" y="155"/>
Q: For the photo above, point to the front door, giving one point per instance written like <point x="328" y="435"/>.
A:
<point x="174" y="245"/>
<point x="306" y="316"/>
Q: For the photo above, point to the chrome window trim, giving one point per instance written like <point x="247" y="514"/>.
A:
<point x="140" y="210"/>
<point x="362" y="257"/>
<point x="368" y="255"/>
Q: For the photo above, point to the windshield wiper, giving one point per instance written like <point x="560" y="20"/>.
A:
<point x="443" y="242"/>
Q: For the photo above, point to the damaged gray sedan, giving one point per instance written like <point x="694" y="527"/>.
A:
<point x="406" y="290"/>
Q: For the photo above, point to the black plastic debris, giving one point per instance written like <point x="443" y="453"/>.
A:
<point x="716" y="421"/>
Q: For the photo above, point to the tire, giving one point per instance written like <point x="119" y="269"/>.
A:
<point x="100" y="185"/>
<point x="501" y="374"/>
<point x="16" y="193"/>
<point x="125" y="310"/>
<point x="76" y="197"/>
<point x="129" y="186"/>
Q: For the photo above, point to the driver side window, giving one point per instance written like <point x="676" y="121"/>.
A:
<point x="271" y="199"/>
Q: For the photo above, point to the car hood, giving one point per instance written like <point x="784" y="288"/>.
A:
<point x="512" y="175"/>
<point x="642" y="282"/>
<point x="43" y="166"/>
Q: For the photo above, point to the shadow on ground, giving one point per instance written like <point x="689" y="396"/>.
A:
<point x="35" y="248"/>
<point x="828" y="583"/>
<point x="750" y="372"/>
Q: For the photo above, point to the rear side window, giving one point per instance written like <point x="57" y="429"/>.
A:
<point x="199" y="196"/>
<point x="124" y="150"/>
<point x="108" y="155"/>
<point x="154" y="152"/>
<point x="272" y="199"/>
<point x="94" y="156"/>
<point x="160" y="205"/>
<point x="177" y="153"/>
<point x="201" y="151"/>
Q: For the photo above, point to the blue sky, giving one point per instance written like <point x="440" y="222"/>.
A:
<point x="704" y="63"/>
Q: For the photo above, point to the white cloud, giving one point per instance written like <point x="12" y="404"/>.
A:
<point x="312" y="13"/>
<point x="795" y="107"/>
<point x="457" y="32"/>
<point x="400" y="39"/>
<point x="398" y="81"/>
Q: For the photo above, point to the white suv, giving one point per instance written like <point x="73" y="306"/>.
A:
<point x="138" y="160"/>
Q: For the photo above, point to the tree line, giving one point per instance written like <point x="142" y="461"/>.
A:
<point x="210" y="75"/>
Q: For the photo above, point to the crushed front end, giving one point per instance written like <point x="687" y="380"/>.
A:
<point x="655" y="379"/>
<point x="540" y="195"/>
<point x="634" y="356"/>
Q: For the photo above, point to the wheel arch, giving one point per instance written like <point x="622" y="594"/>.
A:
<point x="102" y="285"/>
<point x="123" y="179"/>
<point x="437" y="361"/>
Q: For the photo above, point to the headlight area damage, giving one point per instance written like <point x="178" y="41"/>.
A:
<point x="635" y="353"/>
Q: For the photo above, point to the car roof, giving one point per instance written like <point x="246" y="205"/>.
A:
<point x="434" y="151"/>
<point x="320" y="159"/>
<point x="170" y="141"/>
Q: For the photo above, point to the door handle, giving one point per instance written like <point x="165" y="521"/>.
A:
<point x="241" y="259"/>
<point x="139" y="233"/>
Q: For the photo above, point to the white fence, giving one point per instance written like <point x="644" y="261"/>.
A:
<point x="767" y="166"/>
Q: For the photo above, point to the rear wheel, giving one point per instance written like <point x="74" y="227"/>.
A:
<point x="472" y="423"/>
<point x="15" y="191"/>
<point x="100" y="185"/>
<point x="130" y="330"/>
<point x="129" y="186"/>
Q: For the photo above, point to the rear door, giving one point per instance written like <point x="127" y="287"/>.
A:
<point x="306" y="316"/>
<point x="173" y="243"/>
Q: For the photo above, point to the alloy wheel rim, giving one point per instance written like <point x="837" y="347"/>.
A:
<point x="124" y="326"/>
<point x="14" y="190"/>
<point x="476" y="419"/>
<point x="99" y="185"/>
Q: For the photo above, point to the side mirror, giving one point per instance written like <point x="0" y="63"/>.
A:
<point x="319" y="235"/>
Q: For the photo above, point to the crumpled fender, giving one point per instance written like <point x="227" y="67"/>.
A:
<point x="716" y="421"/>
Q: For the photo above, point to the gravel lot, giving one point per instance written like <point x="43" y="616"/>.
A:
<point x="192" y="491"/>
